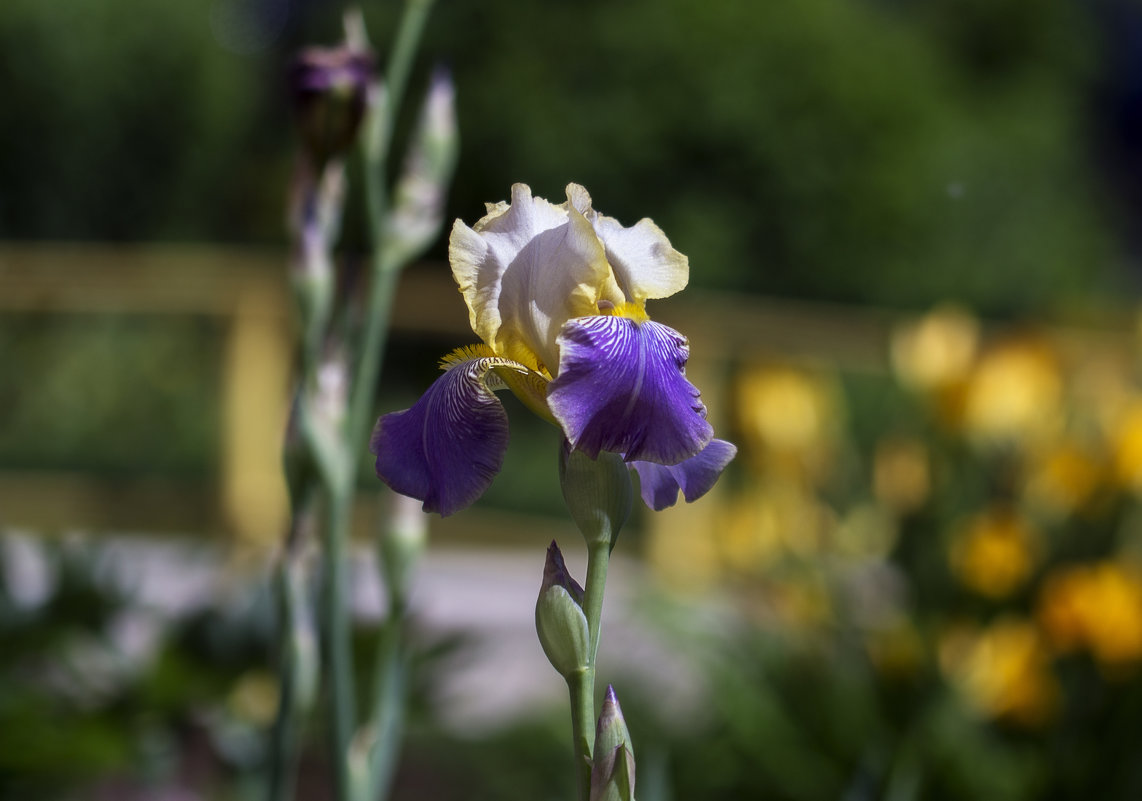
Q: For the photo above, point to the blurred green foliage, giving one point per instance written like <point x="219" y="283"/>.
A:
<point x="107" y="694"/>
<point x="827" y="148"/>
<point x="127" y="121"/>
<point x="109" y="393"/>
<point x="889" y="152"/>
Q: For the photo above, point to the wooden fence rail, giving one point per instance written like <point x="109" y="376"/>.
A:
<point x="246" y="292"/>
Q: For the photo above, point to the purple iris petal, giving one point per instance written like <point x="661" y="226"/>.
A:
<point x="659" y="483"/>
<point x="448" y="447"/>
<point x="622" y="387"/>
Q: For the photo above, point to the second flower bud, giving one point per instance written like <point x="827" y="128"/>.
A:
<point x="559" y="618"/>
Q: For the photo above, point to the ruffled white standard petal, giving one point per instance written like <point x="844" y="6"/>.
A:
<point x="645" y="265"/>
<point x="524" y="270"/>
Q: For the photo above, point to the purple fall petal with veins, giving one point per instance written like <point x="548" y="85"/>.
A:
<point x="446" y="449"/>
<point x="659" y="483"/>
<point x="622" y="387"/>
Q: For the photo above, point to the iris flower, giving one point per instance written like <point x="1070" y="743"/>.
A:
<point x="557" y="294"/>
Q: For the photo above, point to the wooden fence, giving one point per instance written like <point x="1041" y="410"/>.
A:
<point x="246" y="292"/>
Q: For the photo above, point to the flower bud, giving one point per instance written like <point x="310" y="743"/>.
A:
<point x="597" y="491"/>
<point x="559" y="618"/>
<point x="316" y="203"/>
<point x="612" y="768"/>
<point x="330" y="89"/>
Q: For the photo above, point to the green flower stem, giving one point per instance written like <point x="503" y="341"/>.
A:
<point x="342" y="685"/>
<point x="380" y="130"/>
<point x="298" y="643"/>
<point x="384" y="277"/>
<point x="581" y="684"/>
<point x="390" y="685"/>
<point x="598" y="560"/>
<point x="338" y="631"/>
<point x="343" y="691"/>
<point x="369" y="352"/>
<point x="298" y="661"/>
<point x="283" y="753"/>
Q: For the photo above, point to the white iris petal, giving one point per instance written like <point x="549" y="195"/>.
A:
<point x="528" y="267"/>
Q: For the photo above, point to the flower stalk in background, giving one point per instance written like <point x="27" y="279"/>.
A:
<point x="340" y="103"/>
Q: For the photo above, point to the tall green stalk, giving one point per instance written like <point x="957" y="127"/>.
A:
<point x="363" y="757"/>
<point x="298" y="657"/>
<point x="338" y="631"/>
<point x="369" y="354"/>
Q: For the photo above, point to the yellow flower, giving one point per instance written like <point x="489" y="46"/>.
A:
<point x="1003" y="671"/>
<point x="995" y="554"/>
<point x="790" y="418"/>
<point x="1114" y="622"/>
<point x="937" y="350"/>
<point x="1127" y="445"/>
<point x="1097" y="607"/>
<point x="1014" y="393"/>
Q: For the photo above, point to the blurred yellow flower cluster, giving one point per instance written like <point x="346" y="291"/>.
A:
<point x="790" y="419"/>
<point x="995" y="553"/>
<point x="1003" y="669"/>
<point x="966" y="515"/>
<point x="1097" y="607"/>
<point x="1013" y="393"/>
<point x="935" y="353"/>
<point x="1064" y="413"/>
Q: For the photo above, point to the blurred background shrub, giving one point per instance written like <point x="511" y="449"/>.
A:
<point x="865" y="151"/>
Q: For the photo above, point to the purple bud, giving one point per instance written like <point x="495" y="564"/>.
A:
<point x="555" y="573"/>
<point x="330" y="88"/>
<point x="612" y="768"/>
